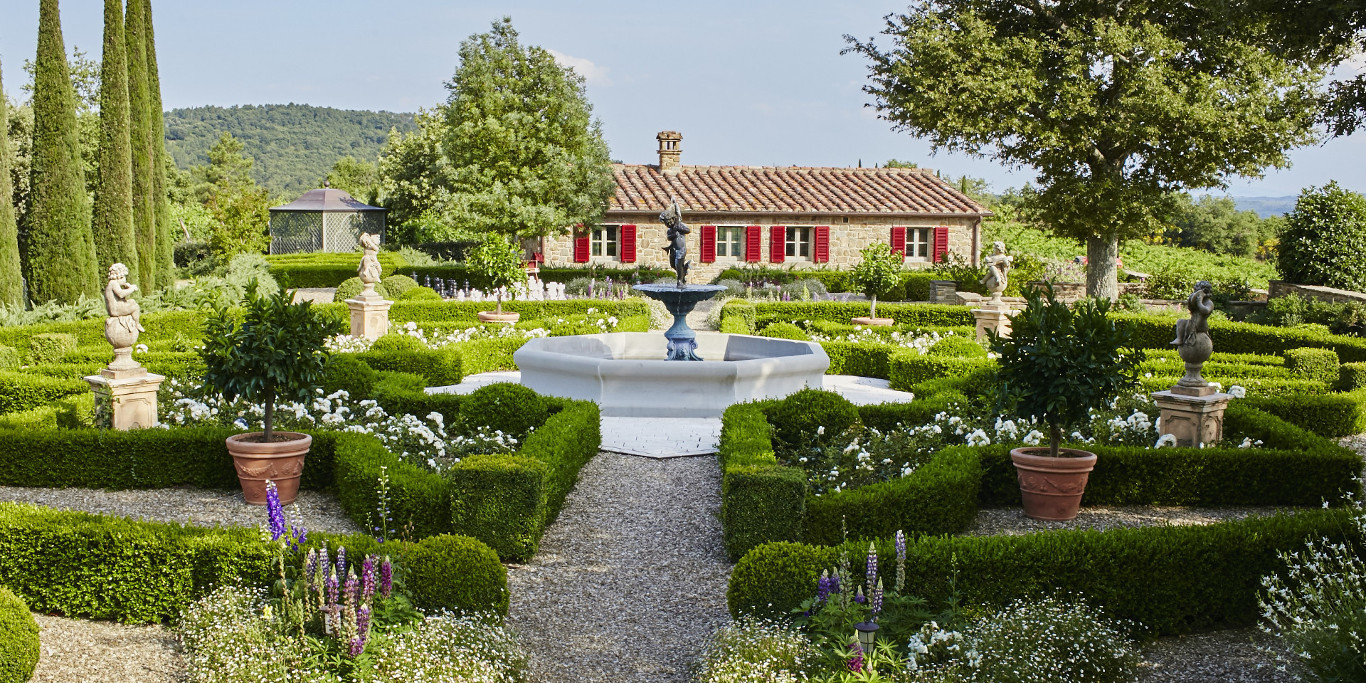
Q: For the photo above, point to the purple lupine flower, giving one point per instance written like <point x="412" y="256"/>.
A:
<point x="872" y="567"/>
<point x="386" y="577"/>
<point x="351" y="587"/>
<point x="367" y="579"/>
<point x="275" y="511"/>
<point x="331" y="586"/>
<point x="900" y="561"/>
<point x="877" y="600"/>
<point x="300" y="537"/>
<point x="341" y="561"/>
<point x="858" y="597"/>
<point x="855" y="663"/>
<point x="363" y="623"/>
<point x="826" y="585"/>
<point x="357" y="646"/>
<point x="311" y="565"/>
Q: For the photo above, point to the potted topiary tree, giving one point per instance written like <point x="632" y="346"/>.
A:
<point x="875" y="274"/>
<point x="500" y="263"/>
<point x="278" y="350"/>
<point x="1057" y="364"/>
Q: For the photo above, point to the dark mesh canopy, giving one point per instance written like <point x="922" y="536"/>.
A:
<point x="323" y="220"/>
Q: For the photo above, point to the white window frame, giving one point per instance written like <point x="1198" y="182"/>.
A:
<point x="919" y="242"/>
<point x="736" y="248"/>
<point x="797" y="243"/>
<point x="605" y="242"/>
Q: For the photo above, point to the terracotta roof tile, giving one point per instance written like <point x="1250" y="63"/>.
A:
<point x="789" y="189"/>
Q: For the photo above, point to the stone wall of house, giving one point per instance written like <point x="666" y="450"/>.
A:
<point x="846" y="240"/>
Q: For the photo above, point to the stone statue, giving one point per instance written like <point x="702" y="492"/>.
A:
<point x="672" y="217"/>
<point x="124" y="323"/>
<point x="1192" y="335"/>
<point x="369" y="270"/>
<point x="998" y="265"/>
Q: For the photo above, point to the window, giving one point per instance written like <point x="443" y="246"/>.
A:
<point x="604" y="241"/>
<point x="798" y="242"/>
<point x="730" y="241"/>
<point x="918" y="244"/>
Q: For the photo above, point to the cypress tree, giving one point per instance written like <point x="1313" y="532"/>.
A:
<point x="11" y="282"/>
<point x="140" y="132"/>
<point x="61" y="248"/>
<point x="115" y="241"/>
<point x="166" y="234"/>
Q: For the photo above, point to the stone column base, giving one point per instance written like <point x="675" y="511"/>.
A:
<point x="369" y="316"/>
<point x="992" y="319"/>
<point x="1193" y="420"/>
<point x="128" y="397"/>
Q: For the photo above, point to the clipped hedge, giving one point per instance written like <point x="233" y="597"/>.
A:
<point x="911" y="286"/>
<point x="48" y="347"/>
<point x="1155" y="332"/>
<point x="907" y="368"/>
<point x="24" y="391"/>
<point x="1319" y="365"/>
<point x="10" y="358"/>
<point x="321" y="272"/>
<point x="1352" y="376"/>
<point x="1331" y="415"/>
<point x="19" y="646"/>
<point x="917" y="314"/>
<point x="106" y="567"/>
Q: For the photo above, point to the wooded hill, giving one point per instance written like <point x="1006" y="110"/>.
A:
<point x="293" y="145"/>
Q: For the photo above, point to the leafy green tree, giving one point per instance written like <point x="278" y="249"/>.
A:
<point x="86" y="75"/>
<point x="416" y="177"/>
<point x="1324" y="239"/>
<point x="499" y="262"/>
<point x="1215" y="224"/>
<point x="1329" y="31"/>
<point x="11" y="278"/>
<point x="141" y="133"/>
<point x="165" y="233"/>
<point x="877" y="272"/>
<point x="61" y="250"/>
<point x="20" y="144"/>
<point x="115" y="241"/>
<point x="360" y="179"/>
<point x="1114" y="105"/>
<point x="240" y="208"/>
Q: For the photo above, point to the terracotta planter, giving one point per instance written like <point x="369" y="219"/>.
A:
<point x="1051" y="487"/>
<point x="279" y="461"/>
<point x="492" y="317"/>
<point x="874" y="322"/>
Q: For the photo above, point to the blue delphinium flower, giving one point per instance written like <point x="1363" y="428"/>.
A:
<point x="872" y="568"/>
<point x="275" y="511"/>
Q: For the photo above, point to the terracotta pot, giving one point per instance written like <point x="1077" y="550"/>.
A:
<point x="492" y="317"/>
<point x="874" y="322"/>
<point x="279" y="461"/>
<point x="1051" y="487"/>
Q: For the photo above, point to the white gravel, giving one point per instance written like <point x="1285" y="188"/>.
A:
<point x="84" y="651"/>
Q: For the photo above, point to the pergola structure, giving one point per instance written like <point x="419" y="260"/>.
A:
<point x="323" y="220"/>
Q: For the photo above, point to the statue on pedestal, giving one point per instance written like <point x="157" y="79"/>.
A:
<point x="672" y="218"/>
<point x="1192" y="341"/>
<point x="998" y="264"/>
<point x="369" y="270"/>
<point x="124" y="323"/>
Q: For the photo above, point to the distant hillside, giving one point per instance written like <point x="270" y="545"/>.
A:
<point x="1266" y="207"/>
<point x="293" y="145"/>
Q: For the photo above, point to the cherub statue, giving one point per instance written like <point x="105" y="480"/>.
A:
<point x="672" y="218"/>
<point x="998" y="265"/>
<point x="369" y="270"/>
<point x="1200" y="305"/>
<point x="124" y="323"/>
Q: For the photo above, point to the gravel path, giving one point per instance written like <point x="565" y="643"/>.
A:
<point x="630" y="579"/>
<point x="1227" y="656"/>
<point x="105" y="652"/>
<point x="318" y="510"/>
<point x="1012" y="521"/>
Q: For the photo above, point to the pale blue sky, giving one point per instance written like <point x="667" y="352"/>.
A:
<point x="752" y="82"/>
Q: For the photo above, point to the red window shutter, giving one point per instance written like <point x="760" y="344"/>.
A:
<point x="899" y="241"/>
<point x="820" y="249"/>
<point x="777" y="243"/>
<point x="753" y="244"/>
<point x="707" y="245"/>
<point x="941" y="243"/>
<point x="581" y="245"/>
<point x="628" y="244"/>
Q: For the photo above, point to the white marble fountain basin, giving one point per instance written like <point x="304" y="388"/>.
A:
<point x="626" y="375"/>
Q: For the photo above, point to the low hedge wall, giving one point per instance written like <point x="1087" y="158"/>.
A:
<point x="1330" y="415"/>
<point x="23" y="391"/>
<point x="1155" y="332"/>
<point x="911" y="285"/>
<point x="19" y="643"/>
<point x="331" y="272"/>
<point x="920" y="315"/>
<point x="103" y="567"/>
<point x="1352" y="376"/>
<point x="1171" y="580"/>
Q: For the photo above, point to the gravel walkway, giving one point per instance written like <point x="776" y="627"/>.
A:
<point x="105" y="652"/>
<point x="318" y="510"/>
<point x="1227" y="656"/>
<point x="1012" y="521"/>
<point x="631" y="578"/>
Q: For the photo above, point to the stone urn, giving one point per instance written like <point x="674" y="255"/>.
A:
<point x="1050" y="487"/>
<point x="281" y="460"/>
<point x="873" y="322"/>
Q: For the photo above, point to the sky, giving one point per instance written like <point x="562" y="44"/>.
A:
<point x="752" y="82"/>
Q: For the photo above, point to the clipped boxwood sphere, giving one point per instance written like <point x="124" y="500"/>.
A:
<point x="397" y="342"/>
<point x="511" y="408"/>
<point x="961" y="347"/>
<point x="796" y="419"/>
<point x="350" y="288"/>
<point x="348" y="373"/>
<point x="18" y="639"/>
<point x="396" y="285"/>
<point x="784" y="330"/>
<point x="420" y="294"/>
<point x="455" y="573"/>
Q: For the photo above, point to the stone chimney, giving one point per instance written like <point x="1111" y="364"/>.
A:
<point x="669" y="149"/>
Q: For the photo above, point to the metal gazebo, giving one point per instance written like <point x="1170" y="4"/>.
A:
<point x="323" y="220"/>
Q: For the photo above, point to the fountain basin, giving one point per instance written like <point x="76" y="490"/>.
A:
<point x="626" y="375"/>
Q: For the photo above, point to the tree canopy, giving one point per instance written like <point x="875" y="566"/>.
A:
<point x="1114" y="105"/>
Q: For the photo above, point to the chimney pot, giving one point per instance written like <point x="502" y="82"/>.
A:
<point x="669" y="150"/>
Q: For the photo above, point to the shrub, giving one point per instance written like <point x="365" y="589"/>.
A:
<point x="785" y="331"/>
<point x="1331" y="415"/>
<point x="757" y="651"/>
<point x="510" y="408"/>
<point x="397" y="285"/>
<point x="810" y="415"/>
<point x="419" y="294"/>
<point x="9" y="358"/>
<point x="49" y="348"/>
<point x="1046" y="640"/>
<point x="1324" y="238"/>
<point x="18" y="639"/>
<point x="960" y="347"/>
<point x="456" y="573"/>
<point x="499" y="262"/>
<point x="351" y="287"/>
<point x="347" y="373"/>
<point x="907" y="368"/>
<point x="1352" y="376"/>
<point x="397" y="342"/>
<point x="21" y="391"/>
<point x="1319" y="365"/>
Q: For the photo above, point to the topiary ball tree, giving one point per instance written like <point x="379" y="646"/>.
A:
<point x="1324" y="239"/>
<point x="1059" y="363"/>
<point x="811" y="416"/>
<point x="500" y="263"/>
<point x="877" y="273"/>
<point x="510" y="408"/>
<point x="279" y="349"/>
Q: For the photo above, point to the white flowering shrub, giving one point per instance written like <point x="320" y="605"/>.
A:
<point x="1316" y="608"/>
<point x="919" y="342"/>
<point x="437" y="339"/>
<point x="758" y="651"/>
<point x="228" y="637"/>
<point x="448" y="648"/>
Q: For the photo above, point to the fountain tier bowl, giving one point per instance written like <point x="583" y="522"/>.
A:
<point x="626" y="375"/>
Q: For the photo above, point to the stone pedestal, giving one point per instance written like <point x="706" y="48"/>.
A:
<point x="127" y="395"/>
<point x="992" y="319"/>
<point x="1195" y="416"/>
<point x="369" y="316"/>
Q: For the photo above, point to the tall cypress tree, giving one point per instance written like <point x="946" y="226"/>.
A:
<point x="166" y="235"/>
<point x="11" y="282"/>
<point x="61" y="248"/>
<point x="115" y="241"/>
<point x="140" y="132"/>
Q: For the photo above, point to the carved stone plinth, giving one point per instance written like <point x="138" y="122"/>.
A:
<point x="127" y="396"/>
<point x="1193" y="420"/>
<point x="992" y="319"/>
<point x="369" y="316"/>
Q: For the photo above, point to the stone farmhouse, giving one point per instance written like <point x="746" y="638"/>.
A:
<point x="783" y="216"/>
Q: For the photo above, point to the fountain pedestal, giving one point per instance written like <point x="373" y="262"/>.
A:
<point x="680" y="301"/>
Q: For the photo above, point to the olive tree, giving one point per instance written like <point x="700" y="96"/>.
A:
<point x="877" y="272"/>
